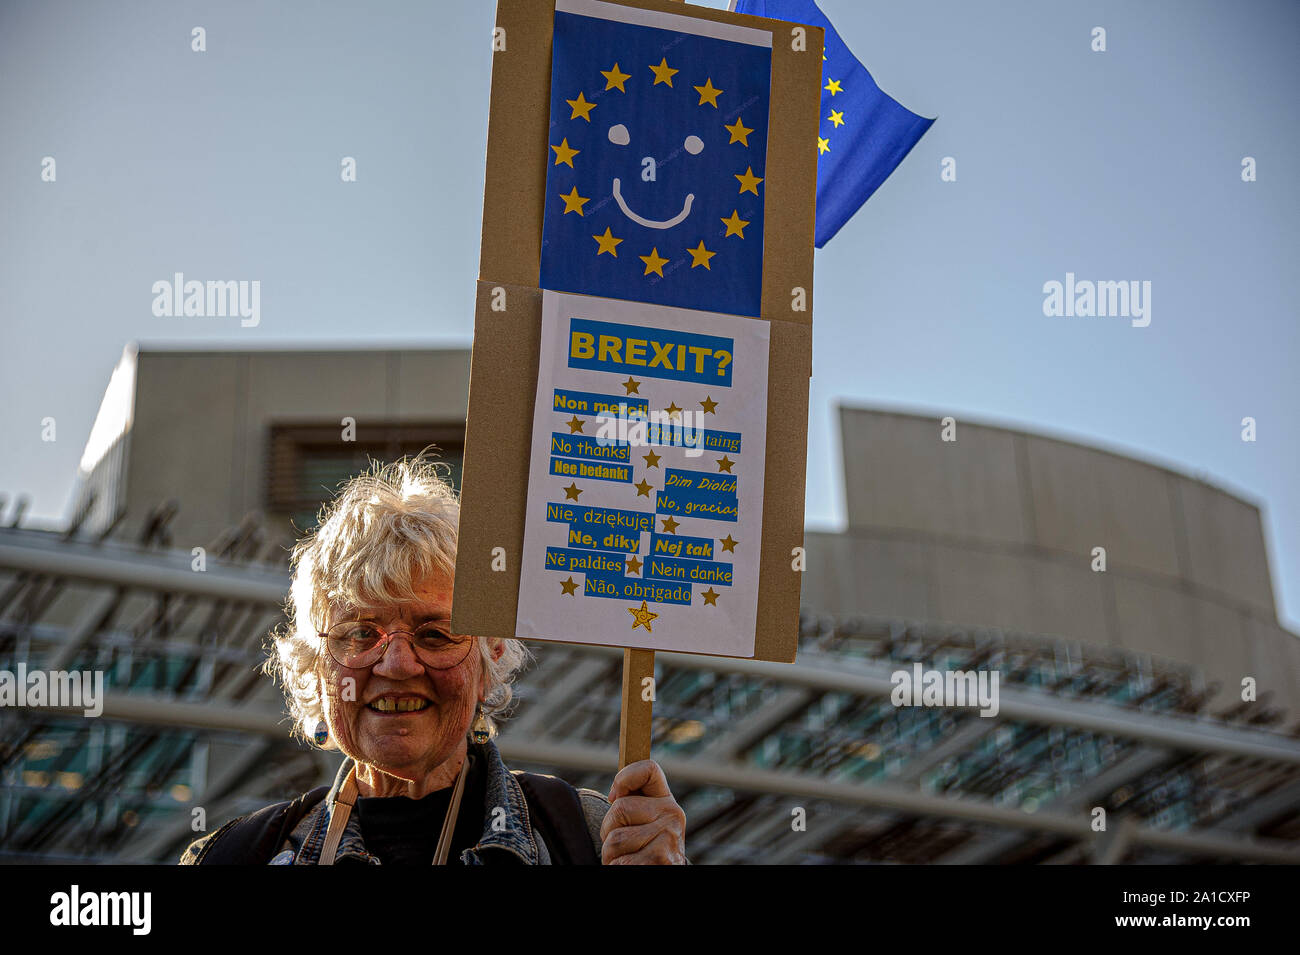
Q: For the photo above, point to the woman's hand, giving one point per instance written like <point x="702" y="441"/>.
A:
<point x="644" y="825"/>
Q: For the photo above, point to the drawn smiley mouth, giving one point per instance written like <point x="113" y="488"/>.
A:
<point x="620" y="136"/>
<point x="652" y="223"/>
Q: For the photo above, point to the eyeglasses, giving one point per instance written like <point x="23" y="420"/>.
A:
<point x="357" y="645"/>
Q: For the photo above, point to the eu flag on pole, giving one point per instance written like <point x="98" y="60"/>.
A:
<point x="864" y="133"/>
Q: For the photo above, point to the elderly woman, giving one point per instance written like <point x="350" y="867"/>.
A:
<point x="370" y="666"/>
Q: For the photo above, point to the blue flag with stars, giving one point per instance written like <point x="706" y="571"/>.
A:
<point x="656" y="160"/>
<point x="864" y="133"/>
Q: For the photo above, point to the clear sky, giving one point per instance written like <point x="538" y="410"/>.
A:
<point x="1117" y="165"/>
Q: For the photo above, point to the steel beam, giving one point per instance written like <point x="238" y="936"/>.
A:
<point x="139" y="568"/>
<point x="560" y="698"/>
<point x="899" y="799"/>
<point x="817" y="671"/>
<point x="981" y="851"/>
<point x="135" y="708"/>
<point x="740" y="734"/>
<point x="123" y="565"/>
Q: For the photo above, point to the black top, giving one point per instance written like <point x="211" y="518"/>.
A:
<point x="404" y="831"/>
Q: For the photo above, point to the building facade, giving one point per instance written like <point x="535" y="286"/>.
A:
<point x="1157" y="686"/>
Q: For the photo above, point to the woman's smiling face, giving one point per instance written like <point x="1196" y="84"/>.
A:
<point x="399" y="716"/>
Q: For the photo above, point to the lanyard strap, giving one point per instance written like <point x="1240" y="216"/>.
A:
<point x="347" y="797"/>
<point x="449" y="824"/>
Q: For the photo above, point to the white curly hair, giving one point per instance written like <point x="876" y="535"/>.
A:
<point x="384" y="534"/>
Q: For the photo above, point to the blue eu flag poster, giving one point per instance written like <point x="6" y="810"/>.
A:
<point x="656" y="166"/>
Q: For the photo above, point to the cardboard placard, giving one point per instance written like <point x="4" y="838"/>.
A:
<point x="530" y="141"/>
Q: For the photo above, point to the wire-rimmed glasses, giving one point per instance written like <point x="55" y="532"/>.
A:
<point x="357" y="645"/>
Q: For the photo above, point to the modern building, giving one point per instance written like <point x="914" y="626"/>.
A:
<point x="232" y="436"/>
<point x="999" y="528"/>
<point x="1157" y="686"/>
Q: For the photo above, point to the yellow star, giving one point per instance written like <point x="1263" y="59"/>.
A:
<point x="738" y="132"/>
<point x="653" y="263"/>
<point x="728" y="544"/>
<point x="643" y="617"/>
<point x="710" y="597"/>
<point x="663" y="73"/>
<point x="823" y="145"/>
<point x="725" y="463"/>
<point x="735" y="225"/>
<point x="634" y="565"/>
<point x="643" y="488"/>
<point x="564" y="153"/>
<point x="632" y="385"/>
<point x="575" y="425"/>
<point x="670" y="525"/>
<point x="572" y="491"/>
<point x="614" y="79"/>
<point x="574" y="202"/>
<point x="701" y="256"/>
<point x="708" y="94"/>
<point x="837" y="118"/>
<point x="581" y="107"/>
<point x="607" y="242"/>
<point x="834" y="87"/>
<point x="748" y="182"/>
<point x="651" y="459"/>
<point x="569" y="586"/>
<point x="672" y="410"/>
<point x="709" y="404"/>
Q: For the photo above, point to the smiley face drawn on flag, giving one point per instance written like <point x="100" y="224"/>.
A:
<point x="656" y="166"/>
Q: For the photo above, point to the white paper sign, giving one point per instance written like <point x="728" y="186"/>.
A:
<point x="645" y="489"/>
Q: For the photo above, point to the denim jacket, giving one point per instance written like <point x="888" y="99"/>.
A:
<point x="508" y="837"/>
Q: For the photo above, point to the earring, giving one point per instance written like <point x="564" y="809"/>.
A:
<point x="482" y="729"/>
<point x="322" y="734"/>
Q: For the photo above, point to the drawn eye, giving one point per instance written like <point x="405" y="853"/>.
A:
<point x="618" y="135"/>
<point x="694" y="145"/>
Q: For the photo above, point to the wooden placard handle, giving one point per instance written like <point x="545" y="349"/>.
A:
<point x="634" y="720"/>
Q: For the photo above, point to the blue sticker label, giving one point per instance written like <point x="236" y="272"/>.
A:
<point x="653" y="352"/>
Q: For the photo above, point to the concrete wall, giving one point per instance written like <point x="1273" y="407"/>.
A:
<point x="201" y="419"/>
<point x="997" y="529"/>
